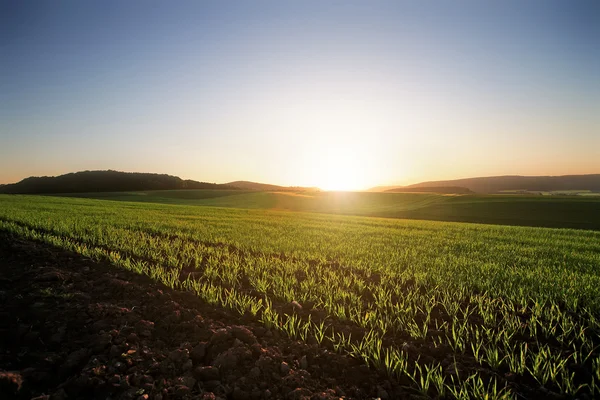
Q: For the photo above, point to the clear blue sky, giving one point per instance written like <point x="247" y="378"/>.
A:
<point x="300" y="93"/>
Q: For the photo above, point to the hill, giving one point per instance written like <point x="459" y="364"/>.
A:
<point x="495" y="184"/>
<point x="265" y="187"/>
<point x="105" y="181"/>
<point x="377" y="189"/>
<point x="432" y="189"/>
<point x="247" y="185"/>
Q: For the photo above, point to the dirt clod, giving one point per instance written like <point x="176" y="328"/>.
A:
<point x="284" y="368"/>
<point x="208" y="373"/>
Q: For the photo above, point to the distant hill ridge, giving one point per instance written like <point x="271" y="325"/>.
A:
<point x="247" y="185"/>
<point x="117" y="181"/>
<point x="495" y="184"/>
<point x="432" y="189"/>
<point x="105" y="181"/>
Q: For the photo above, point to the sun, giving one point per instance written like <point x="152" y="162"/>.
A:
<point x="340" y="170"/>
<point x="340" y="162"/>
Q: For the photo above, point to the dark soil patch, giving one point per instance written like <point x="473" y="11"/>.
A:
<point x="72" y="328"/>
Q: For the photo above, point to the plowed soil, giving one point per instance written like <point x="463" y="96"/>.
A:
<point x="72" y="328"/>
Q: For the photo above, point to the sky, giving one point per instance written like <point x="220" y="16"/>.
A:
<point x="335" y="94"/>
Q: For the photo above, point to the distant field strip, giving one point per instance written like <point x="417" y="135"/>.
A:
<point x="578" y="212"/>
<point x="449" y="309"/>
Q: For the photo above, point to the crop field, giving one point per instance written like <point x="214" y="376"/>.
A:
<point x="579" y="212"/>
<point x="448" y="310"/>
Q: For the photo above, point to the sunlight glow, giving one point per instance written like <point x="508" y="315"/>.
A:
<point x="339" y="173"/>
<point x="341" y="169"/>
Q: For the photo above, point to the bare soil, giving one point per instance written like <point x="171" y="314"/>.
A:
<point x="72" y="328"/>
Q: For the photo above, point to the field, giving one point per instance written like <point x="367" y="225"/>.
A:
<point x="440" y="309"/>
<point x="578" y="212"/>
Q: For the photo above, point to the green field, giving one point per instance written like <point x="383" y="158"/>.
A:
<point x="578" y="212"/>
<point x="451" y="310"/>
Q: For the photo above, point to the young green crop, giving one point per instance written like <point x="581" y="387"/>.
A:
<point x="498" y="299"/>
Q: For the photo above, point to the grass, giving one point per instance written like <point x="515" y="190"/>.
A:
<point x="581" y="212"/>
<point x="189" y="197"/>
<point x="448" y="309"/>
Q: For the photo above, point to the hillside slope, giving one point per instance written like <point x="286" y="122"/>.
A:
<point x="247" y="185"/>
<point x="495" y="184"/>
<point x="432" y="189"/>
<point x="104" y="181"/>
